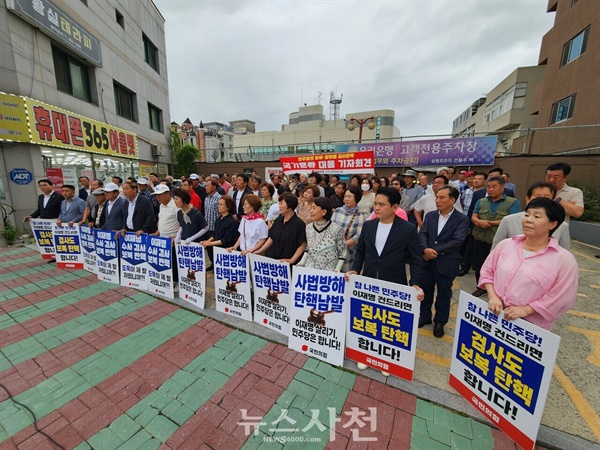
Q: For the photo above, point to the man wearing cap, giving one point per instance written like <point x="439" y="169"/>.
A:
<point x="71" y="208"/>
<point x="138" y="211"/>
<point x="89" y="214"/>
<point x="100" y="198"/>
<point x="168" y="225"/>
<point x="199" y="190"/>
<point x="111" y="216"/>
<point x="413" y="192"/>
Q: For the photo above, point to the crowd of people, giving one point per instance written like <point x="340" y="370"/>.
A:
<point x="374" y="226"/>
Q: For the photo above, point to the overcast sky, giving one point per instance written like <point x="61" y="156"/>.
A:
<point x="426" y="60"/>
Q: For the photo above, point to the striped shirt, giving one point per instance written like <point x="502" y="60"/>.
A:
<point x="211" y="210"/>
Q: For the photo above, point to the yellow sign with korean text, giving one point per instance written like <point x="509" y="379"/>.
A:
<point x="13" y="118"/>
<point x="53" y="126"/>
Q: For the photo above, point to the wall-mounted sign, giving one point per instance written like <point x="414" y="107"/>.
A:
<point x="13" y="118"/>
<point x="44" y="15"/>
<point x="29" y="120"/>
<point x="21" y="176"/>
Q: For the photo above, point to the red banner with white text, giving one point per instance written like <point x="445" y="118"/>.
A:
<point x="331" y="163"/>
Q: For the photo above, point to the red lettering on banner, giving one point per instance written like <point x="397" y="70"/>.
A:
<point x="122" y="143"/>
<point x="76" y="132"/>
<point x="61" y="129"/>
<point x="131" y="144"/>
<point x="43" y="125"/>
<point x="113" y="138"/>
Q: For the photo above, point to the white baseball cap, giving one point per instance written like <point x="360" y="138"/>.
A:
<point x="161" y="189"/>
<point x="142" y="181"/>
<point x="194" y="176"/>
<point x="110" y="187"/>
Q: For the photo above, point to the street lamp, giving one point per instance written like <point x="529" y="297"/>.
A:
<point x="361" y="122"/>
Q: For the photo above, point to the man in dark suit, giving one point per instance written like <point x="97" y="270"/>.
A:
<point x="441" y="236"/>
<point x="242" y="189"/>
<point x="111" y="215"/>
<point x="138" y="211"/>
<point x="387" y="240"/>
<point x="48" y="202"/>
<point x="86" y="189"/>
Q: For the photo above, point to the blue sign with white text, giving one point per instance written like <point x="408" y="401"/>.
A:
<point x="21" y="176"/>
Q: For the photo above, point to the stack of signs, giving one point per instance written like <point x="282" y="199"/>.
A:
<point x="271" y="281"/>
<point x="134" y="269"/>
<point x="160" y="262"/>
<point x="232" y="284"/>
<point x="191" y="264"/>
<point x="42" y="230"/>
<point x="318" y="314"/>
<point x="503" y="368"/>
<point x="88" y="248"/>
<point x="383" y="325"/>
<point x="107" y="256"/>
<point x="67" y="245"/>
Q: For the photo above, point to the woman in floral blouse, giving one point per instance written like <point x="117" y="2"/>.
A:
<point x="325" y="244"/>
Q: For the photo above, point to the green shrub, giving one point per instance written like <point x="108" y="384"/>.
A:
<point x="591" y="200"/>
<point x="10" y="233"/>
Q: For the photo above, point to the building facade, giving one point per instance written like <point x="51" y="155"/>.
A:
<point x="308" y="131"/>
<point x="569" y="93"/>
<point x="505" y="111"/>
<point x="84" y="92"/>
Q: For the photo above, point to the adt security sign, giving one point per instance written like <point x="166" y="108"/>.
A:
<point x="21" y="176"/>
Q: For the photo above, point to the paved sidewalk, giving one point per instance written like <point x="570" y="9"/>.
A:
<point x="106" y="367"/>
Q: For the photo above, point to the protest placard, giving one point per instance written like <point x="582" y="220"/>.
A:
<point x="67" y="246"/>
<point x="88" y="248"/>
<point x="42" y="231"/>
<point x="232" y="284"/>
<point x="318" y="314"/>
<point x="503" y="368"/>
<point x="134" y="268"/>
<point x="160" y="265"/>
<point x="191" y="264"/>
<point x="107" y="256"/>
<point x="383" y="325"/>
<point x="271" y="283"/>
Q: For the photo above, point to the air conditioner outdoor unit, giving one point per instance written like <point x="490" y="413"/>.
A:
<point x="156" y="150"/>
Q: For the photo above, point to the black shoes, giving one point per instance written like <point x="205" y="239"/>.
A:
<point x="438" y="330"/>
<point x="423" y="322"/>
<point x="479" y="292"/>
<point x="463" y="272"/>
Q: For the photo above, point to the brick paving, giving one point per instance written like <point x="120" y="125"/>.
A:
<point x="106" y="367"/>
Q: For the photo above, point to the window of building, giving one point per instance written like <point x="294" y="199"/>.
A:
<point x="125" y="102"/>
<point x="575" y="47"/>
<point x="155" y="117"/>
<point x="562" y="110"/>
<point x="150" y="53"/>
<point x="120" y="18"/>
<point x="72" y="75"/>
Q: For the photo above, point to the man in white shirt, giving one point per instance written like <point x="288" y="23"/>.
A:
<point x="168" y="226"/>
<point x="426" y="204"/>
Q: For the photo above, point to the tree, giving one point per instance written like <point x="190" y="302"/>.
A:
<point x="184" y="156"/>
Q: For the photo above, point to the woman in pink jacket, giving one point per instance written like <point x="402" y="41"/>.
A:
<point x="530" y="276"/>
